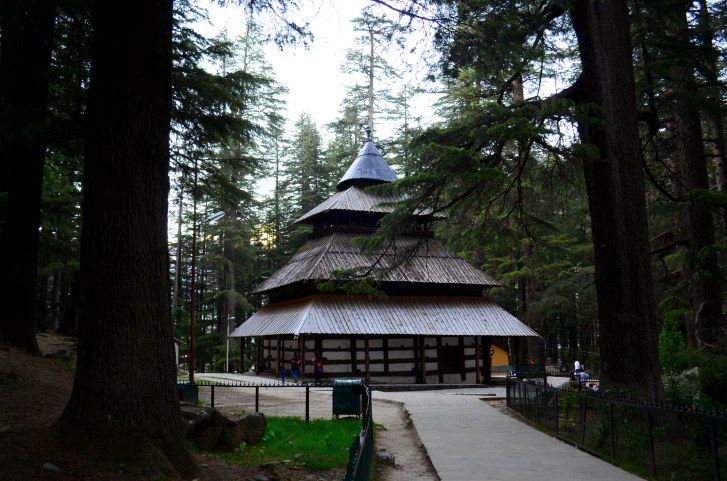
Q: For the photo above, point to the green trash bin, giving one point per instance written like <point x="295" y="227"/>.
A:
<point x="188" y="392"/>
<point x="347" y="397"/>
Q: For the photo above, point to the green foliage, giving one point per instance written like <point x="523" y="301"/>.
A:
<point x="674" y="355"/>
<point x="317" y="445"/>
<point x="713" y="374"/>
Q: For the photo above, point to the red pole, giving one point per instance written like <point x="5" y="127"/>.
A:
<point x="193" y="294"/>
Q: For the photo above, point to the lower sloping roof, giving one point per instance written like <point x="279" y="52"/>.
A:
<point x="395" y="315"/>
<point x="427" y="261"/>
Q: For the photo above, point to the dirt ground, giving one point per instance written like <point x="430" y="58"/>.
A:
<point x="33" y="393"/>
<point x="394" y="433"/>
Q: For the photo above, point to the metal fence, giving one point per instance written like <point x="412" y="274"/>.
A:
<point x="360" y="461"/>
<point x="656" y="441"/>
<point x="209" y="395"/>
<point x="360" y="455"/>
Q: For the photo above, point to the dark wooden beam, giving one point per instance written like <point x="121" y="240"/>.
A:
<point x="440" y="373"/>
<point x="477" y="359"/>
<point x="243" y="342"/>
<point x="462" y="373"/>
<point x="301" y="343"/>
<point x="386" y="355"/>
<point x="368" y="359"/>
<point x="352" y="349"/>
<point x="487" y="369"/>
<point x="277" y="356"/>
<point x="423" y="359"/>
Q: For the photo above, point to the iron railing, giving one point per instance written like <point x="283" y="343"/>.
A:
<point x="256" y="386"/>
<point x="361" y="452"/>
<point x="656" y="441"/>
<point x="360" y="455"/>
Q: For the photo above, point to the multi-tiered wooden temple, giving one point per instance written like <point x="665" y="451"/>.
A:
<point x="435" y="324"/>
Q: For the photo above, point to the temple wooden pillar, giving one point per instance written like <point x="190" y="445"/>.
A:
<point x="462" y="359"/>
<point x="487" y="367"/>
<point x="386" y="355"/>
<point x="258" y="355"/>
<point x="301" y="348"/>
<point x="440" y="361"/>
<point x="242" y="354"/>
<point x="278" y="361"/>
<point x="477" y="359"/>
<point x="368" y="359"/>
<point x="352" y="348"/>
<point x="423" y="359"/>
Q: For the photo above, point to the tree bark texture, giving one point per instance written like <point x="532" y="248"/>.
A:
<point x="707" y="318"/>
<point x="178" y="254"/>
<point x="27" y="40"/>
<point x="714" y="111"/>
<point x="124" y="399"/>
<point x="615" y="187"/>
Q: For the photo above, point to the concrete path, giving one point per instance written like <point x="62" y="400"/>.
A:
<point x="466" y="439"/>
<point x="469" y="440"/>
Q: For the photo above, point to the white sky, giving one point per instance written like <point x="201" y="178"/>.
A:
<point x="316" y="85"/>
<point x="313" y="75"/>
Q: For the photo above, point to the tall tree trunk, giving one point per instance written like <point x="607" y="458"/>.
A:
<point x="713" y="112"/>
<point x="526" y="287"/>
<point x="371" y="84"/>
<point x="614" y="182"/>
<point x="42" y="298"/>
<point x="703" y="262"/>
<point x="56" y="302"/>
<point x="178" y="256"/>
<point x="27" y="40"/>
<point x="125" y="345"/>
<point x="69" y="320"/>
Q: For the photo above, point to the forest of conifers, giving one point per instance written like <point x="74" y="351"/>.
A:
<point x="578" y="154"/>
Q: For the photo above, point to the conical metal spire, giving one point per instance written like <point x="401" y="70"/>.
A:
<point x="369" y="168"/>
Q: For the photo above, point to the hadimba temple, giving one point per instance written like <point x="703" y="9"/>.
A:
<point x="435" y="323"/>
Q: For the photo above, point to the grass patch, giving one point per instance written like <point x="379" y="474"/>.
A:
<point x="319" y="445"/>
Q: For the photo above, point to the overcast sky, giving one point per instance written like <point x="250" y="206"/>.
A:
<point x="313" y="75"/>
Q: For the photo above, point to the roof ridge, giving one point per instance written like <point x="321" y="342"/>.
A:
<point x="304" y="317"/>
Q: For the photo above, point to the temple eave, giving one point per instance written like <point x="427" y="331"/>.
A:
<point x="400" y="315"/>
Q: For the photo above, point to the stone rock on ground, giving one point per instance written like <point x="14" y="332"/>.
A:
<point x="385" y="457"/>
<point x="212" y="431"/>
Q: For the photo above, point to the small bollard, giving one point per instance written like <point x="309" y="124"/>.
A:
<point x="257" y="399"/>
<point x="307" y="403"/>
<point x="212" y="396"/>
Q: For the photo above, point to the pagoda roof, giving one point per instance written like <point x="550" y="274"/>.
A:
<point x="409" y="259"/>
<point x="394" y="315"/>
<point x="353" y="199"/>
<point x="368" y="168"/>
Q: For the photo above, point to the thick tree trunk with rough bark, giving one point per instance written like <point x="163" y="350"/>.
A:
<point x="707" y="318"/>
<point x="178" y="255"/>
<point x="614" y="181"/>
<point x="56" y="301"/>
<point x="27" y="40"/>
<point x="124" y="402"/>
<point x="713" y="112"/>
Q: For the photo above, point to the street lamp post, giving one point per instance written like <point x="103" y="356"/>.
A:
<point x="227" y="346"/>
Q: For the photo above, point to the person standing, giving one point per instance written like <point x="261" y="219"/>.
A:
<point x="295" y="366"/>
<point x="282" y="371"/>
<point x="318" y="368"/>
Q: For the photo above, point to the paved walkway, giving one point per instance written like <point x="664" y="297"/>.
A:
<point x="470" y="440"/>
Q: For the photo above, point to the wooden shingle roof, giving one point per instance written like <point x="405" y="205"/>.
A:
<point x="396" y="315"/>
<point x="353" y="199"/>
<point x="408" y="260"/>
